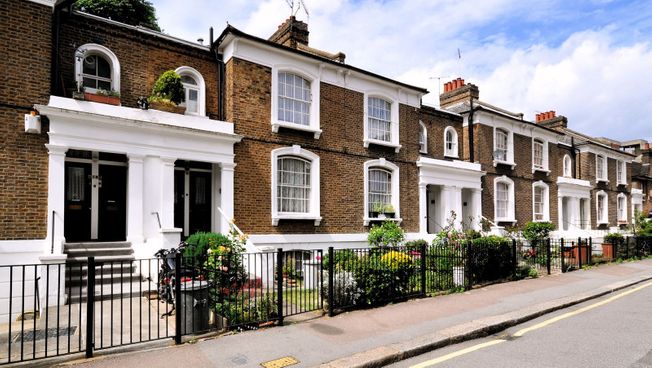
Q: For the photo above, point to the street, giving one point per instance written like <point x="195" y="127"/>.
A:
<point x="613" y="331"/>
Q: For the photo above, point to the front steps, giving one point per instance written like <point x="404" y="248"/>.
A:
<point x="116" y="276"/>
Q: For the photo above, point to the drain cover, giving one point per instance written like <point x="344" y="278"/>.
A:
<point x="280" y="363"/>
<point x="32" y="335"/>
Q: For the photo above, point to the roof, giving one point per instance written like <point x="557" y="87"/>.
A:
<point x="230" y="30"/>
<point x="583" y="139"/>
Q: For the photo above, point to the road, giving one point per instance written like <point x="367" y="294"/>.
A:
<point x="613" y="331"/>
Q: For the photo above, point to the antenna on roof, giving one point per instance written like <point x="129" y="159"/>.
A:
<point x="296" y="5"/>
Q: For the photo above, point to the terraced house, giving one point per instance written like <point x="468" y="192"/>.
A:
<point x="295" y="146"/>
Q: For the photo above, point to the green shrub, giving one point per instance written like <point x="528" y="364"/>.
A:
<point x="537" y="230"/>
<point x="533" y="273"/>
<point x="389" y="234"/>
<point x="384" y="277"/>
<point x="612" y="238"/>
<point x="344" y="259"/>
<point x="491" y="258"/>
<point x="169" y="87"/>
<point x="200" y="242"/>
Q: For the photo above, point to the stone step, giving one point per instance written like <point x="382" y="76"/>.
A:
<point x="107" y="278"/>
<point x="116" y="259"/>
<point x="123" y="291"/>
<point x="103" y="268"/>
<point x="95" y="245"/>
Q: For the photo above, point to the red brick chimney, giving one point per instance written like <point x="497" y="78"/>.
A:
<point x="291" y="33"/>
<point x="457" y="90"/>
<point x="551" y="120"/>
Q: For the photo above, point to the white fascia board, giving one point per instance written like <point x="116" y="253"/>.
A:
<point x="523" y="128"/>
<point x="99" y="111"/>
<point x="340" y="76"/>
<point x="569" y="187"/>
<point x="49" y="3"/>
<point x="590" y="148"/>
<point x="449" y="173"/>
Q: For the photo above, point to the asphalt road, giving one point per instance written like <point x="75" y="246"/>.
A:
<point x="613" y="331"/>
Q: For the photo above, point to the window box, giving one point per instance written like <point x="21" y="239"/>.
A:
<point x="162" y="106"/>
<point x="109" y="100"/>
<point x="368" y="220"/>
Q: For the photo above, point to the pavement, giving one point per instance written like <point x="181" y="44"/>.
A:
<point x="380" y="336"/>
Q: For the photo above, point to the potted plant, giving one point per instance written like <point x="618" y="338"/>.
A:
<point x="103" y="96"/>
<point x="376" y="210"/>
<point x="608" y="243"/>
<point x="389" y="211"/>
<point x="168" y="93"/>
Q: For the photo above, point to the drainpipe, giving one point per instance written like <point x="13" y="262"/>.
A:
<point x="220" y="75"/>
<point x="471" y="147"/>
<point x="578" y="168"/>
<point x="55" y="88"/>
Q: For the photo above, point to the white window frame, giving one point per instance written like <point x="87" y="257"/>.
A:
<point x="621" y="172"/>
<point x="567" y="164"/>
<point x="545" y="199"/>
<point x="314" y="212"/>
<point x="602" y="218"/>
<point x="201" y="86"/>
<point x="314" y="126"/>
<point x="394" y="122"/>
<point x="423" y="137"/>
<point x="621" y="209"/>
<point x="95" y="49"/>
<point x="544" y="156"/>
<point x="605" y="171"/>
<point x="386" y="165"/>
<point x="511" y="212"/>
<point x="510" y="148"/>
<point x="454" y="152"/>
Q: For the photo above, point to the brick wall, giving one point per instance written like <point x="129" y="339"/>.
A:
<point x="25" y="39"/>
<point x="436" y="122"/>
<point x="143" y="58"/>
<point x="340" y="148"/>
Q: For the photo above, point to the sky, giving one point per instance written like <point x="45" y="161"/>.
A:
<point x="589" y="60"/>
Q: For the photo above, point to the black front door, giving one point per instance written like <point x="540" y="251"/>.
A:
<point x="112" y="204"/>
<point x="192" y="200"/>
<point x="77" y="226"/>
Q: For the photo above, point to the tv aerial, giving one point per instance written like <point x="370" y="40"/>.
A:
<point x="296" y="6"/>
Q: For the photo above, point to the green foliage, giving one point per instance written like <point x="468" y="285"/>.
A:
<point x="247" y="310"/>
<point x="200" y="242"/>
<point x="133" y="12"/>
<point x="344" y="259"/>
<point x="490" y="258"/>
<point x="389" y="234"/>
<point x="415" y="245"/>
<point x="642" y="225"/>
<point x="532" y="273"/>
<point x="537" y="230"/>
<point x="104" y="92"/>
<point x="384" y="277"/>
<point x="168" y="87"/>
<point x="612" y="238"/>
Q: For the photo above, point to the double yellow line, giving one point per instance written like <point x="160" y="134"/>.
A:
<point x="523" y="331"/>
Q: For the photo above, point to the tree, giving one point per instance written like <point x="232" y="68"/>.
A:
<point x="133" y="12"/>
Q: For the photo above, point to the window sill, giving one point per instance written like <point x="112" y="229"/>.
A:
<point x="541" y="169"/>
<point x="510" y="220"/>
<point x="507" y="163"/>
<point x="305" y="128"/>
<point x="377" y="142"/>
<point x="598" y="223"/>
<point x="623" y="222"/>
<point x="446" y="155"/>
<point x="544" y="220"/>
<point x="602" y="181"/>
<point x="368" y="220"/>
<point x="299" y="216"/>
<point x="620" y="183"/>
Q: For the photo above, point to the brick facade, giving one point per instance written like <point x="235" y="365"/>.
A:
<point x="26" y="81"/>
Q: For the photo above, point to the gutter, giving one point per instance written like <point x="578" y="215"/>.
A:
<point x="219" y="60"/>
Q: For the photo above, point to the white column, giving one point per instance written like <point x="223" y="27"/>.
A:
<point x="452" y="203"/>
<point x="476" y="202"/>
<point x="56" y="198"/>
<point x="227" y="195"/>
<point x="423" y="208"/>
<point x="574" y="213"/>
<point x="167" y="192"/>
<point x="135" y="199"/>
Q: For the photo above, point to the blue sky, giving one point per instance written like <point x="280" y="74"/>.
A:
<point x="588" y="60"/>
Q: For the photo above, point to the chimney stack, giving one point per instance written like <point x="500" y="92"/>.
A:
<point x="291" y="33"/>
<point x="551" y="120"/>
<point x="457" y="90"/>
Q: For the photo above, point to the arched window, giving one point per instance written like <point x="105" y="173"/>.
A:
<point x="97" y="68"/>
<point x="504" y="206"/>
<point x="195" y="91"/>
<point x="423" y="138"/>
<point x="295" y="185"/>
<point x="568" y="166"/>
<point x="293" y="99"/>
<point x="450" y="142"/>
<point x="381" y="189"/>
<point x="540" y="211"/>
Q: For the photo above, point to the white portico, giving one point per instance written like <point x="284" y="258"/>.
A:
<point x="574" y="203"/>
<point x="446" y="187"/>
<point x="118" y="173"/>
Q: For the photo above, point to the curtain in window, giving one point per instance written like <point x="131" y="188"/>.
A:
<point x="567" y="166"/>
<point x="422" y="139"/>
<point x="293" y="185"/>
<point x="601" y="208"/>
<point x="76" y="189"/>
<point x="293" y="99"/>
<point x="379" y="115"/>
<point x="380" y="188"/>
<point x="600" y="167"/>
<point x="621" y="209"/>
<point x="501" y="145"/>
<point x="502" y="199"/>
<point x="537" y="153"/>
